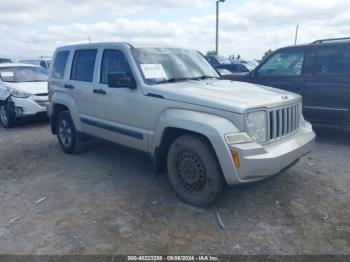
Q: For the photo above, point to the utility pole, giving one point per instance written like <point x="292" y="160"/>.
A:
<point x="296" y="35"/>
<point x="217" y="25"/>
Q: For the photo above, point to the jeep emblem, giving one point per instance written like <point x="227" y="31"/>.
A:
<point x="284" y="97"/>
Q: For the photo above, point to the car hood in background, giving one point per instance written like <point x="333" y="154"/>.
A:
<point x="29" y="87"/>
<point x="226" y="95"/>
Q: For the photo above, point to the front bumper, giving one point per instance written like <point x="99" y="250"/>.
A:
<point x="33" y="105"/>
<point x="261" y="161"/>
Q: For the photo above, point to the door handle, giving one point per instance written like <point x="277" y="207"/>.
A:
<point x="99" y="91"/>
<point x="69" y="86"/>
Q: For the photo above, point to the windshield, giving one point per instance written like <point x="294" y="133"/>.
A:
<point x="23" y="74"/>
<point x="165" y="65"/>
<point x="5" y="60"/>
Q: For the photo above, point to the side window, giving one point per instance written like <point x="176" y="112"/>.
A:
<point x="59" y="65"/>
<point x="284" y="63"/>
<point x="333" y="61"/>
<point x="43" y="64"/>
<point x="113" y="61"/>
<point x="83" y="65"/>
<point x="242" y="68"/>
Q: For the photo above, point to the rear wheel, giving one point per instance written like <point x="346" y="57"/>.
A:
<point x="67" y="134"/>
<point x="6" y="119"/>
<point x="194" y="171"/>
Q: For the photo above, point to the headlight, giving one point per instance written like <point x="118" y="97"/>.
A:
<point x="17" y="93"/>
<point x="256" y="125"/>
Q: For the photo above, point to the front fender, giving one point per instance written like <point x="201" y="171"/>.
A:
<point x="212" y="127"/>
<point x="66" y="100"/>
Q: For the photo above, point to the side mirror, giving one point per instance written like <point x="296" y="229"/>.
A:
<point x="120" y="80"/>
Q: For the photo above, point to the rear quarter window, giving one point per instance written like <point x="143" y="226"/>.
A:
<point x="59" y="65"/>
<point x="84" y="65"/>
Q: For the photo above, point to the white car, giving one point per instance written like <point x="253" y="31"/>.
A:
<point x="23" y="92"/>
<point x="43" y="62"/>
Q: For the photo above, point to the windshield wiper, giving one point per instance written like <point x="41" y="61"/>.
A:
<point x="206" y="77"/>
<point x="173" y="80"/>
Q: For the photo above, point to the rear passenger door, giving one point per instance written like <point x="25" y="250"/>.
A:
<point x="283" y="70"/>
<point x="81" y="80"/>
<point x="327" y="87"/>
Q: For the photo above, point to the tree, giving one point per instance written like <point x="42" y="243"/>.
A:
<point x="267" y="53"/>
<point x="211" y="53"/>
<point x="238" y="57"/>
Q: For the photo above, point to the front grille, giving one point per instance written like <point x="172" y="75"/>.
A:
<point x="283" y="121"/>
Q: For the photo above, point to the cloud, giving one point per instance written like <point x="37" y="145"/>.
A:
<point x="248" y="29"/>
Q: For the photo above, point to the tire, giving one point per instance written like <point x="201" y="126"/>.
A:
<point x="6" y="119"/>
<point x="66" y="133"/>
<point x="194" y="171"/>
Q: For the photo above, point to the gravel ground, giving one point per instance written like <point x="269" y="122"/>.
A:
<point x="107" y="201"/>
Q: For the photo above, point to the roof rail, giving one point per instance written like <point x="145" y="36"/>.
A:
<point x="329" y="40"/>
<point x="126" y="43"/>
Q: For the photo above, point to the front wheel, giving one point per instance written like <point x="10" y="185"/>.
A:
<point x="67" y="134"/>
<point x="194" y="171"/>
<point x="6" y="119"/>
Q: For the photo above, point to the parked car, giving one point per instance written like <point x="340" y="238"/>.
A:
<point x="223" y="71"/>
<point x="43" y="62"/>
<point x="237" y="66"/>
<point x="171" y="104"/>
<point x="5" y="60"/>
<point x="319" y="71"/>
<point x="216" y="60"/>
<point x="23" y="92"/>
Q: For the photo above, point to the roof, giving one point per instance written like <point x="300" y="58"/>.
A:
<point x="116" y="44"/>
<point x="323" y="42"/>
<point x="35" y="59"/>
<point x="17" y="65"/>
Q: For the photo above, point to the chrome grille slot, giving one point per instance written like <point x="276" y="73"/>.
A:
<point x="283" y="121"/>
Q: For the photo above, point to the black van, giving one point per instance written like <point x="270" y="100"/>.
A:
<point x="319" y="71"/>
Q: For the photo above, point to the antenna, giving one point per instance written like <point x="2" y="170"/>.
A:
<point x="296" y="35"/>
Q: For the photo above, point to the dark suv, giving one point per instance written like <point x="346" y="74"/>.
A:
<point x="319" y="71"/>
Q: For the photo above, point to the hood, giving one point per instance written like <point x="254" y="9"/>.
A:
<point x="29" y="87"/>
<point x="225" y="95"/>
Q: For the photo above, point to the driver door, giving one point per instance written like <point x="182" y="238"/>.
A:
<point x="284" y="70"/>
<point x="119" y="114"/>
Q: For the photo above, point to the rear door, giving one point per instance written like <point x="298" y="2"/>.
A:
<point x="81" y="80"/>
<point x="327" y="87"/>
<point x="284" y="70"/>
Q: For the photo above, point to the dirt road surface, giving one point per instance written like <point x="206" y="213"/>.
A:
<point x="107" y="201"/>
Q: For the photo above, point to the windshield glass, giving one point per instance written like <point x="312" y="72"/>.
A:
<point x="165" y="65"/>
<point x="5" y="60"/>
<point x="23" y="74"/>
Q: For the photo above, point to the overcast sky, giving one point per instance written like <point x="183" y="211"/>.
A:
<point x="248" y="27"/>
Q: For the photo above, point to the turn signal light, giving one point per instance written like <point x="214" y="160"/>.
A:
<point x="235" y="158"/>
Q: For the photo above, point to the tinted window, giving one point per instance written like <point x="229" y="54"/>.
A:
<point x="284" y="63"/>
<point x="43" y="64"/>
<point x="241" y="68"/>
<point x="333" y="61"/>
<point x="83" y="65"/>
<point x="4" y="60"/>
<point x="59" y="65"/>
<point x="113" y="61"/>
